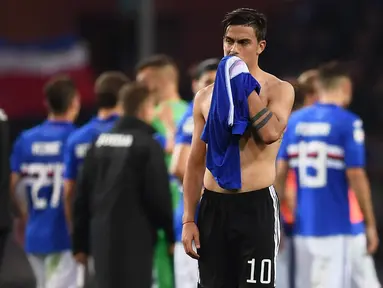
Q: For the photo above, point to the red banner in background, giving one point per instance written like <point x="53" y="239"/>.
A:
<point x="34" y="45"/>
<point x="25" y="68"/>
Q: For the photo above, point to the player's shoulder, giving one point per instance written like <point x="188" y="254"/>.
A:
<point x="203" y="94"/>
<point x="78" y="135"/>
<point x="31" y="133"/>
<point x="300" y="114"/>
<point x="343" y="115"/>
<point x="349" y="115"/>
<point x="278" y="85"/>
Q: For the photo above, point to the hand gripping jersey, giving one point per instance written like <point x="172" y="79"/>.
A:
<point x="38" y="157"/>
<point x="79" y="142"/>
<point x="320" y="143"/>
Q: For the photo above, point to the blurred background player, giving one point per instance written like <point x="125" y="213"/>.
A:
<point x="15" y="270"/>
<point x="306" y="94"/>
<point x="122" y="196"/>
<point x="363" y="268"/>
<point x="37" y="159"/>
<point x="324" y="144"/>
<point x="106" y="90"/>
<point x="186" y="268"/>
<point x="161" y="75"/>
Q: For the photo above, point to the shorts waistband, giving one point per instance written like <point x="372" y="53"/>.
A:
<point x="250" y="194"/>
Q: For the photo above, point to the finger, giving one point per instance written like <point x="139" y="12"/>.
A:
<point x="193" y="254"/>
<point x="196" y="241"/>
<point x="372" y="247"/>
<point x="184" y="243"/>
<point x="188" y="246"/>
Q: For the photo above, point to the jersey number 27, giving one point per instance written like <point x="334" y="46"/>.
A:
<point x="48" y="175"/>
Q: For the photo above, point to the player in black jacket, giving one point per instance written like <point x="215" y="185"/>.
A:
<point x="123" y="197"/>
<point x="15" y="270"/>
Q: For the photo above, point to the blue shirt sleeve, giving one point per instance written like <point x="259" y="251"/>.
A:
<point x="71" y="162"/>
<point x="17" y="155"/>
<point x="242" y="85"/>
<point x="160" y="139"/>
<point x="184" y="132"/>
<point x="354" y="150"/>
<point x="282" y="153"/>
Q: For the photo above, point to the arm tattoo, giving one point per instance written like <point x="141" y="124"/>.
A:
<point x="258" y="115"/>
<point x="263" y="122"/>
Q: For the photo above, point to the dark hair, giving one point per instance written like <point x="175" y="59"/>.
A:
<point x="299" y="98"/>
<point x="205" y="66"/>
<point x="156" y="61"/>
<point x="132" y="96"/>
<point x="247" y="17"/>
<point x="107" y="86"/>
<point x="330" y="73"/>
<point x="307" y="81"/>
<point x="59" y="93"/>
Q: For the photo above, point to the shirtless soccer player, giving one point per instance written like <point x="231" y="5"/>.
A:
<point x="237" y="237"/>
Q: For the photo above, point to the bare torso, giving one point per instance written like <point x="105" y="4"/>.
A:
<point x="257" y="159"/>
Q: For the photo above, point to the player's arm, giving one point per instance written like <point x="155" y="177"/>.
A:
<point x="182" y="147"/>
<point x="358" y="181"/>
<point x="195" y="167"/>
<point x="180" y="156"/>
<point x="70" y="174"/>
<point x="268" y="122"/>
<point x="156" y="194"/>
<point x="81" y="212"/>
<point x="282" y="167"/>
<point x="357" y="178"/>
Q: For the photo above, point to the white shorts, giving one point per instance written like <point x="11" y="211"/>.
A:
<point x="322" y="262"/>
<point x="54" y="270"/>
<point x="185" y="268"/>
<point x="363" y="273"/>
<point x="284" y="262"/>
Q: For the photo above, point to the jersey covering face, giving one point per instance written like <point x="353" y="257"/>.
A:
<point x="38" y="157"/>
<point x="79" y="142"/>
<point x="320" y="143"/>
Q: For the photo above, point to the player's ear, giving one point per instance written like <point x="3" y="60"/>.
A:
<point x="261" y="46"/>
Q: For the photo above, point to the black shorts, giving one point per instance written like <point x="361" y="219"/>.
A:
<point x="239" y="237"/>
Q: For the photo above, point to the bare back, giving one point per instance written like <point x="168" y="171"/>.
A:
<point x="257" y="159"/>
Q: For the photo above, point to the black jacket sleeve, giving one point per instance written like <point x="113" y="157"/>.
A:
<point x="157" y="196"/>
<point x="5" y="215"/>
<point x="81" y="207"/>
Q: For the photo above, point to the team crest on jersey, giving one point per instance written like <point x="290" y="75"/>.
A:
<point x="359" y="135"/>
<point x="81" y="150"/>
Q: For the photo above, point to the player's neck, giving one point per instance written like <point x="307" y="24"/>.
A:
<point x="170" y="95"/>
<point x="60" y="118"/>
<point x="104" y="113"/>
<point x="331" y="98"/>
<point x="256" y="71"/>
